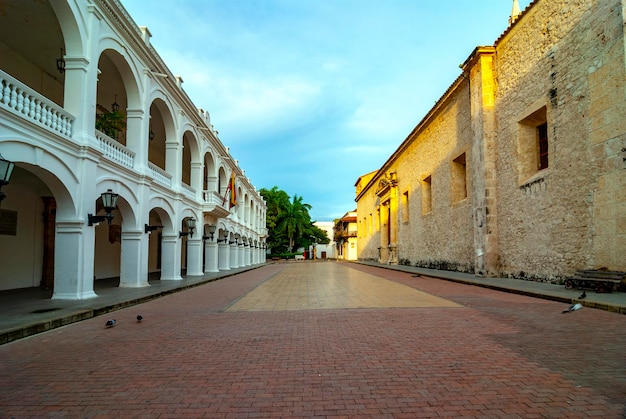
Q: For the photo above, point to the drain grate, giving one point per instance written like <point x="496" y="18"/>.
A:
<point x="46" y="310"/>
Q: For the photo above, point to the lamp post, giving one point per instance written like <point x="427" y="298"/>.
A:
<point x="6" y="169"/>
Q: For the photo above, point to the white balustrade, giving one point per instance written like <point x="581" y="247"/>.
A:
<point x="22" y="100"/>
<point x="115" y="151"/>
<point x="160" y="175"/>
<point x="189" y="191"/>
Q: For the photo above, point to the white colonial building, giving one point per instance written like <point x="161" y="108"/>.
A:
<point x="67" y="67"/>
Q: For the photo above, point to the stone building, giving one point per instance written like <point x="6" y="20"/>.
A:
<point x="88" y="106"/>
<point x="519" y="169"/>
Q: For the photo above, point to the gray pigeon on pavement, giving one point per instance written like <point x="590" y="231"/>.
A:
<point x="139" y="318"/>
<point x="573" y="307"/>
<point x="583" y="296"/>
<point x="110" y="323"/>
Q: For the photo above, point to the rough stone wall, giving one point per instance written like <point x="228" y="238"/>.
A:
<point x="441" y="237"/>
<point x="563" y="64"/>
<point x="368" y="239"/>
<point x="565" y="58"/>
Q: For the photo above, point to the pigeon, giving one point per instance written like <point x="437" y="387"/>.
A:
<point x="583" y="296"/>
<point x="110" y="323"/>
<point x="573" y="307"/>
<point x="139" y="318"/>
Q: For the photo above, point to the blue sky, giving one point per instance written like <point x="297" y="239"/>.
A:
<point x="311" y="94"/>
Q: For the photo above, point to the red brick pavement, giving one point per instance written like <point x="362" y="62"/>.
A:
<point x="501" y="355"/>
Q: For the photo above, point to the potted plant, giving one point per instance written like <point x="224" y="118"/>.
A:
<point x="110" y="123"/>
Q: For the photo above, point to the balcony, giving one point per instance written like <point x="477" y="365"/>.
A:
<point x="26" y="103"/>
<point x="213" y="204"/>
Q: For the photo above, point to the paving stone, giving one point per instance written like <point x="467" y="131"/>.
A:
<point x="219" y="350"/>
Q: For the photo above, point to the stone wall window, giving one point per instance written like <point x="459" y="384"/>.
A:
<point x="533" y="145"/>
<point x="542" y="134"/>
<point x="405" y="207"/>
<point x="459" y="179"/>
<point x="427" y="195"/>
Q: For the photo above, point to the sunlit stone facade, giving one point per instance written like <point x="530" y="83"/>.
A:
<point x="74" y="62"/>
<point x="520" y="168"/>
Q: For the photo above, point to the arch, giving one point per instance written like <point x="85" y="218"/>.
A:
<point x="209" y="179"/>
<point x="222" y="181"/>
<point x="194" y="143"/>
<point x="73" y="32"/>
<point x="54" y="172"/>
<point x="190" y="155"/>
<point x="163" y="124"/>
<point x="127" y="201"/>
<point x="111" y="50"/>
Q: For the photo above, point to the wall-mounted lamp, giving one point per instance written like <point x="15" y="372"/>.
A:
<point x="114" y="106"/>
<point x="237" y="237"/>
<point x="191" y="226"/>
<point x="6" y="169"/>
<point x="212" y="228"/>
<point x="224" y="237"/>
<point x="109" y="200"/>
<point x="151" y="135"/>
<point x="61" y="62"/>
<point x="148" y="228"/>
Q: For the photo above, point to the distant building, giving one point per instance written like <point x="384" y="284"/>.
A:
<point x="345" y="233"/>
<point x="87" y="106"/>
<point x="325" y="251"/>
<point x="519" y="169"/>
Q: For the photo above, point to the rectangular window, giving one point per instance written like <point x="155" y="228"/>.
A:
<point x="542" y="131"/>
<point x="459" y="179"/>
<point x="427" y="198"/>
<point x="405" y="207"/>
<point x="532" y="144"/>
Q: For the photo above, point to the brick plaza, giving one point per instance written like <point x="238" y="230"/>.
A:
<point x="328" y="340"/>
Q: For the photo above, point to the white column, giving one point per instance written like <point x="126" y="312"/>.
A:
<point x="243" y="261"/>
<point x="134" y="254"/>
<point x="194" y="256"/>
<point x="223" y="256"/>
<point x="73" y="261"/>
<point x="170" y="258"/>
<point x="210" y="256"/>
<point x="234" y="256"/>
<point x="248" y="253"/>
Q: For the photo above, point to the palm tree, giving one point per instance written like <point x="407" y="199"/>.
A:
<point x="294" y="220"/>
<point x="277" y="202"/>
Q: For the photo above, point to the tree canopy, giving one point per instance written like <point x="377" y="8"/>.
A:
<point x="288" y="222"/>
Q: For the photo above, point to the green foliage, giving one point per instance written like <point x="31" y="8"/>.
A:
<point x="289" y="223"/>
<point x="111" y="123"/>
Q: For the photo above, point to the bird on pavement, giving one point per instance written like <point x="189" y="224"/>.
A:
<point x="573" y="307"/>
<point x="583" y="296"/>
<point x="139" y="318"/>
<point x="110" y="323"/>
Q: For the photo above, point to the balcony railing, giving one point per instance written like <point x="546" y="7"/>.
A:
<point x="160" y="175"/>
<point x="115" y="151"/>
<point x="213" y="204"/>
<point x="24" y="101"/>
<point x="188" y="190"/>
